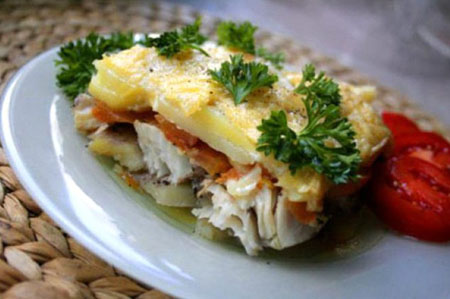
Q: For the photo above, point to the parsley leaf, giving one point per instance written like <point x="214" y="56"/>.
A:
<point x="241" y="37"/>
<point x="237" y="36"/>
<point x="326" y="143"/>
<point x="242" y="78"/>
<point x="172" y="42"/>
<point x="318" y="87"/>
<point x="75" y="59"/>
<point x="276" y="59"/>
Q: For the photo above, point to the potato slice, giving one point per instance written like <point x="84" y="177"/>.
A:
<point x="120" y="143"/>
<point x="180" y="195"/>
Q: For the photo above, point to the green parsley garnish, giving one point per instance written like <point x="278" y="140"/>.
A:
<point x="240" y="36"/>
<point x="318" y="88"/>
<point x="75" y="59"/>
<point x="237" y="36"/>
<point x="172" y="42"/>
<point x="315" y="145"/>
<point x="242" y="78"/>
<point x="276" y="59"/>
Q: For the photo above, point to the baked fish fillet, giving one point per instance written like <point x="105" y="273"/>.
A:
<point x="201" y="138"/>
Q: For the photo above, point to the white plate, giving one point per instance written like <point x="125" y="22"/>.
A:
<point x="128" y="231"/>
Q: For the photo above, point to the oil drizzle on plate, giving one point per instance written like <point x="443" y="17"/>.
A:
<point x="343" y="236"/>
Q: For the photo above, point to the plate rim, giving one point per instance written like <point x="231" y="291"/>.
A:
<point x="45" y="203"/>
<point x="90" y="242"/>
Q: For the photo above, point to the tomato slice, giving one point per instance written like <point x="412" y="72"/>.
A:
<point x="410" y="191"/>
<point x="412" y="197"/>
<point x="398" y="123"/>
<point x="396" y="210"/>
<point x="426" y="146"/>
<point x="423" y="182"/>
<point x="440" y="159"/>
<point x="423" y="140"/>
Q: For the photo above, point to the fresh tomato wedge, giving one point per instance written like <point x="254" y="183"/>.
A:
<point x="399" y="124"/>
<point x="426" y="146"/>
<point x="422" y="182"/>
<point x="405" y="214"/>
<point x="420" y="140"/>
<point x="440" y="159"/>
<point x="410" y="191"/>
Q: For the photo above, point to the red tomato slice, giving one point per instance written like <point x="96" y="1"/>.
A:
<point x="420" y="140"/>
<point x="396" y="210"/>
<point x="412" y="197"/>
<point x="399" y="124"/>
<point x="440" y="159"/>
<point x="422" y="181"/>
<point x="410" y="191"/>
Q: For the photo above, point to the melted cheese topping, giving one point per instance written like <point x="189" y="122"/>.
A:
<point x="181" y="89"/>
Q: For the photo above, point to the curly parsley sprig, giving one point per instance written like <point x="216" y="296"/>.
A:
<point x="318" y="88"/>
<point x="276" y="59"/>
<point x="241" y="78"/>
<point x="172" y="42"/>
<point x="75" y="59"/>
<point x="241" y="37"/>
<point x="326" y="143"/>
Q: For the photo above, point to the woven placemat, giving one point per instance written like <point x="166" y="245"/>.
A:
<point x="37" y="259"/>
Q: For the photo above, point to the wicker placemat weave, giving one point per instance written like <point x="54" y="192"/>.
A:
<point x="37" y="259"/>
